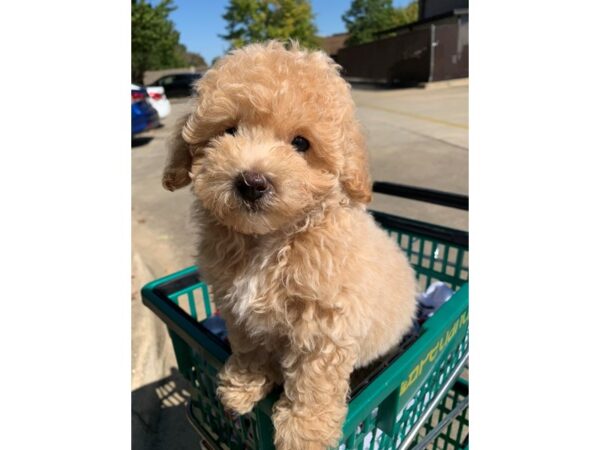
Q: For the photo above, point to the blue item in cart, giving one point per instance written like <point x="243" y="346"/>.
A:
<point x="216" y="325"/>
<point x="430" y="301"/>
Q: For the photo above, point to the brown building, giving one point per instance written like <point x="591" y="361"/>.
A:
<point x="332" y="44"/>
<point x="434" y="48"/>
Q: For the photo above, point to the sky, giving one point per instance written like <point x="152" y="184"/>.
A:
<point x="199" y="22"/>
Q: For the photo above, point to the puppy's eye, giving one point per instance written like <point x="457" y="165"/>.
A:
<point x="232" y="131"/>
<point x="300" y="143"/>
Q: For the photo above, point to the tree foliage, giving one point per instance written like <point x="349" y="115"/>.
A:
<point x="258" y="20"/>
<point x="154" y="39"/>
<point x="407" y="15"/>
<point x="190" y="58"/>
<point x="367" y="17"/>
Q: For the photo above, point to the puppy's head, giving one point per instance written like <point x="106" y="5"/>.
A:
<point x="272" y="136"/>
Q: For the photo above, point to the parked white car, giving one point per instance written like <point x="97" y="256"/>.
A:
<point x="158" y="99"/>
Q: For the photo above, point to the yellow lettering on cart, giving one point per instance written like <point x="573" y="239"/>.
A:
<point x="414" y="374"/>
<point x="403" y="387"/>
<point x="451" y="332"/>
<point x="432" y="353"/>
<point x="417" y="370"/>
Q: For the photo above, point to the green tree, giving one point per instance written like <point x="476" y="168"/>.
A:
<point x="367" y="17"/>
<point x="407" y="15"/>
<point x="154" y="39"/>
<point x="195" y="59"/>
<point x="190" y="58"/>
<point x="258" y="20"/>
<point x="411" y="12"/>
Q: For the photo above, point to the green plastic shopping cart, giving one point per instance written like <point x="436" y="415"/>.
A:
<point x="415" y="399"/>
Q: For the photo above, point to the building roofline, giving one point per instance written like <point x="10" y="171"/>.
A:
<point x="408" y="26"/>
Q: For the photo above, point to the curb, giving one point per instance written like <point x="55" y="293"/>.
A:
<point x="457" y="82"/>
<point x="382" y="85"/>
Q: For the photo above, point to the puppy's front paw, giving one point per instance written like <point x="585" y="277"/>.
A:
<point x="240" y="390"/>
<point x="303" y="429"/>
<point x="239" y="399"/>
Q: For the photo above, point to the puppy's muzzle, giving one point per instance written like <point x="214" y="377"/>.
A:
<point x="252" y="185"/>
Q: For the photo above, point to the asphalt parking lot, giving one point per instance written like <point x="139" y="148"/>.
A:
<point x="415" y="136"/>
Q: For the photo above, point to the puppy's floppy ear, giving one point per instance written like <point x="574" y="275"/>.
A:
<point x="179" y="161"/>
<point x="355" y="178"/>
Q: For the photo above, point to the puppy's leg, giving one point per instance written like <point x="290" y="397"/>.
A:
<point x="244" y="380"/>
<point x="247" y="376"/>
<point x="311" y="412"/>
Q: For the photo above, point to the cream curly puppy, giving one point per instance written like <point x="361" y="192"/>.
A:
<point x="309" y="286"/>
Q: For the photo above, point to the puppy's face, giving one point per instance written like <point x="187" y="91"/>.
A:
<point x="257" y="176"/>
<point x="273" y="135"/>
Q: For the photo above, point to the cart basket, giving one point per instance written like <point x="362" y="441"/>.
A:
<point x="399" y="403"/>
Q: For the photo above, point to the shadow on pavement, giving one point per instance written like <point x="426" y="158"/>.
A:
<point x="139" y="141"/>
<point x="372" y="86"/>
<point x="158" y="417"/>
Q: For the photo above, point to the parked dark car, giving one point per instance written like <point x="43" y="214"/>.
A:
<point x="143" y="115"/>
<point x="178" y="85"/>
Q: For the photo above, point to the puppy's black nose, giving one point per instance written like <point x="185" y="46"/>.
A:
<point x="252" y="185"/>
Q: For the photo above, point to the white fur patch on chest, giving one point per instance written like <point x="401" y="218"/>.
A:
<point x="243" y="293"/>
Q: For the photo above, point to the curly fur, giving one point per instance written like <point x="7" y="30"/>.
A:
<point x="309" y="285"/>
